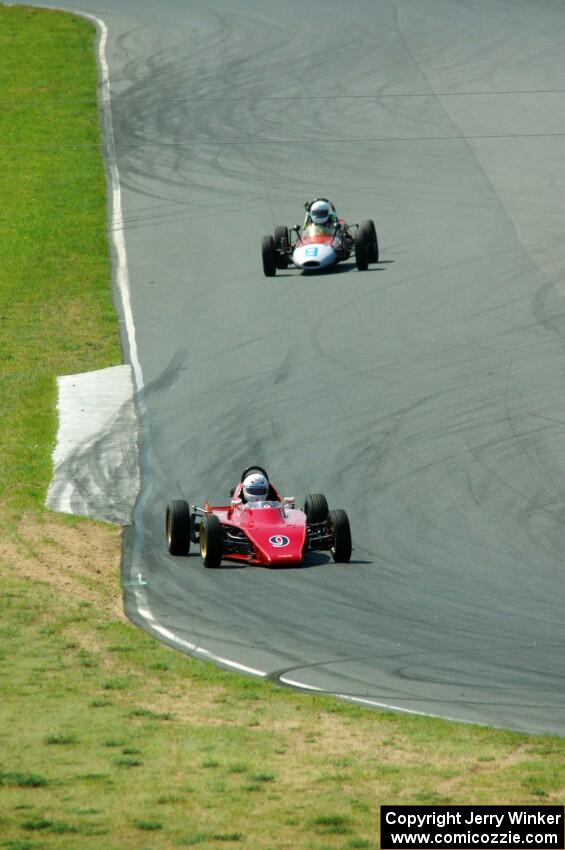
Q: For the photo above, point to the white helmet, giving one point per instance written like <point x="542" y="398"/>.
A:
<point x="255" y="487"/>
<point x="320" y="212"/>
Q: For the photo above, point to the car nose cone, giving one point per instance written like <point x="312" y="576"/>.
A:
<point x="318" y="256"/>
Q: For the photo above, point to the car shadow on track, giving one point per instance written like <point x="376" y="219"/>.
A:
<point x="313" y="560"/>
<point x="341" y="268"/>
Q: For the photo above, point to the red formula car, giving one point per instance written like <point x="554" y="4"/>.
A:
<point x="258" y="526"/>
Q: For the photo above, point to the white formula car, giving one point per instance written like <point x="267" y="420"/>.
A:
<point x="315" y="248"/>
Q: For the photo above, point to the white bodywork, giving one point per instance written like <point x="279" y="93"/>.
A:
<point x="320" y="255"/>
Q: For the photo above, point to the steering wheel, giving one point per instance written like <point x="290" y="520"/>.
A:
<point x="249" y="469"/>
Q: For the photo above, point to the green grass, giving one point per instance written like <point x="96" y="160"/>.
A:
<point x="215" y="770"/>
<point x="108" y="739"/>
<point x="56" y="312"/>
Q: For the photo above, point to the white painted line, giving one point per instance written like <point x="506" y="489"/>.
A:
<point x="117" y="224"/>
<point x="366" y="701"/>
<point x="235" y="664"/>
<point x="123" y="284"/>
<point x="143" y="609"/>
<point x="391" y="707"/>
<point x="301" y="685"/>
<point x="146" y="614"/>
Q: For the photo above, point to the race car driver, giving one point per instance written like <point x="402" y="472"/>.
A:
<point x="321" y="213"/>
<point x="322" y="218"/>
<point x="255" y="488"/>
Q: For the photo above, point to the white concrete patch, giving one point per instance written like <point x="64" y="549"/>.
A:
<point x="96" y="472"/>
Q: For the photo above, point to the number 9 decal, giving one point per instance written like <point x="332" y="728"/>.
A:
<point x="279" y="540"/>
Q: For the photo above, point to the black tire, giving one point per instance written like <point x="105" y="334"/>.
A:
<point x="340" y="529"/>
<point x="269" y="256"/>
<point x="282" y="241"/>
<point x="211" y="541"/>
<point x="315" y="508"/>
<point x="372" y="240"/>
<point x="362" y="249"/>
<point x="177" y="527"/>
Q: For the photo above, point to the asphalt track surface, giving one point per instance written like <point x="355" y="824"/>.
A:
<point x="426" y="396"/>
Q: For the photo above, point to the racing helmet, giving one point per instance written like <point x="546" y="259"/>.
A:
<point x="255" y="487"/>
<point x="320" y="212"/>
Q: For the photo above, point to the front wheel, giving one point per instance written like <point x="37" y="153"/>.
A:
<point x="211" y="540"/>
<point x="269" y="256"/>
<point x="282" y="242"/>
<point x="177" y="527"/>
<point x="340" y="531"/>
<point x="316" y="508"/>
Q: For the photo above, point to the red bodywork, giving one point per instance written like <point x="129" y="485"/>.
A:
<point x="320" y="239"/>
<point x="315" y="238"/>
<point x="277" y="534"/>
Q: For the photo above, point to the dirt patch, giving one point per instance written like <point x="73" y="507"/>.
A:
<point x="81" y="559"/>
<point x="493" y="765"/>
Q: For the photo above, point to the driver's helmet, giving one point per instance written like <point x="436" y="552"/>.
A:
<point x="320" y="212"/>
<point x="255" y="487"/>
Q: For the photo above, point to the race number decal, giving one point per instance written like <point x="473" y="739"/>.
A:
<point x="279" y="540"/>
<point x="311" y="252"/>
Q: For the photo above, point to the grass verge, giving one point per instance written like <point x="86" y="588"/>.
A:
<point x="56" y="312"/>
<point x="107" y="739"/>
<point x="110" y="740"/>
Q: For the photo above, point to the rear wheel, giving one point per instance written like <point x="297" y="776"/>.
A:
<point x="177" y="527"/>
<point x="340" y="530"/>
<point x="282" y="242"/>
<point x="362" y="249"/>
<point x="315" y="508"/>
<point x="211" y="540"/>
<point x="269" y="256"/>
